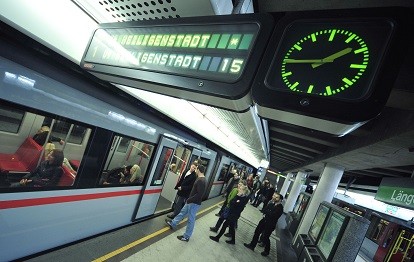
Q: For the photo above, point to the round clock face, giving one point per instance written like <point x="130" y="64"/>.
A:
<point x="325" y="62"/>
<point x="325" y="58"/>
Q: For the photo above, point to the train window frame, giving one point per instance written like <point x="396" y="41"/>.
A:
<point x="7" y="179"/>
<point x="5" y="108"/>
<point x="158" y="180"/>
<point x="144" y="171"/>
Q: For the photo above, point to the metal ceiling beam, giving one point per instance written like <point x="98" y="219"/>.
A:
<point x="327" y="141"/>
<point x="307" y="146"/>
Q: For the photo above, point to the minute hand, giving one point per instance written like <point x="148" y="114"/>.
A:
<point x="305" y="61"/>
<point x="332" y="57"/>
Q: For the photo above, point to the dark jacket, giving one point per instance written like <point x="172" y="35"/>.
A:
<point x="40" y="138"/>
<point x="115" y="175"/>
<point x="45" y="175"/>
<point x="198" y="190"/>
<point x="271" y="213"/>
<point x="186" y="183"/>
<point x="237" y="205"/>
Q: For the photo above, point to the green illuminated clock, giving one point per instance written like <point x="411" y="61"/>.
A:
<point x="331" y="59"/>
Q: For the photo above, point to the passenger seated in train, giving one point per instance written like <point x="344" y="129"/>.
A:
<point x="136" y="175"/>
<point x="118" y="175"/>
<point x="47" y="173"/>
<point x="41" y="135"/>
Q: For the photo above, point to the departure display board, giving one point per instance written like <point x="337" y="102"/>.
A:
<point x="216" y="56"/>
<point x="218" y="52"/>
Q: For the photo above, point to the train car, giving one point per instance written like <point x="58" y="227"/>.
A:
<point x="119" y="160"/>
<point x="388" y="238"/>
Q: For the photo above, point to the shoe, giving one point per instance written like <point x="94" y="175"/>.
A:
<point x="227" y="235"/>
<point x="217" y="215"/>
<point x="249" y="246"/>
<point x="171" y="216"/>
<point x="213" y="229"/>
<point x="169" y="224"/>
<point x="182" y="238"/>
<point x="231" y="242"/>
<point x="264" y="253"/>
<point x="214" y="238"/>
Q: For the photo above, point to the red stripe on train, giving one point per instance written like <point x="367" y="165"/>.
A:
<point x="6" y="204"/>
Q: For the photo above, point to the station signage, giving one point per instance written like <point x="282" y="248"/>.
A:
<point x="397" y="192"/>
<point x="215" y="57"/>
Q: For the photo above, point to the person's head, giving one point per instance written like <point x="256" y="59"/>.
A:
<point x="200" y="170"/>
<point x="242" y="188"/>
<point x="55" y="157"/>
<point x="277" y="197"/>
<point x="43" y="129"/>
<point x="193" y="166"/>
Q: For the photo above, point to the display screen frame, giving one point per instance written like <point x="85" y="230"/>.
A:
<point x="318" y="222"/>
<point x="331" y="234"/>
<point x="233" y="89"/>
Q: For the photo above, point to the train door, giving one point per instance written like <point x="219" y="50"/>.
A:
<point x="402" y="248"/>
<point x="218" y="183"/>
<point x="182" y="158"/>
<point x="207" y="159"/>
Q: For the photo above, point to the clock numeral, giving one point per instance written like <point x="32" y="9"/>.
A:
<point x="293" y="87"/>
<point x="350" y="38"/>
<point x="332" y="35"/>
<point x="358" y="66"/>
<point x="286" y="74"/>
<point x="347" y="81"/>
<point x="361" y="50"/>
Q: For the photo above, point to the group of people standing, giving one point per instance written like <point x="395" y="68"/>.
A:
<point x="191" y="187"/>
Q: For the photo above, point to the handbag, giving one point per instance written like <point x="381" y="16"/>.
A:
<point x="225" y="212"/>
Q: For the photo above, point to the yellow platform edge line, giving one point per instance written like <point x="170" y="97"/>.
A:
<point x="141" y="240"/>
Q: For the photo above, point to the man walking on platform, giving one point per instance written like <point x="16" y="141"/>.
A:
<point x="184" y="186"/>
<point x="271" y="213"/>
<point x="191" y="206"/>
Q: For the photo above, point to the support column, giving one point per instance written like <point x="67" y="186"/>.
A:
<point x="294" y="192"/>
<point x="325" y="190"/>
<point x="286" y="184"/>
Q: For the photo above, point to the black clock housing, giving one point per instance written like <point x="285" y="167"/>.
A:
<point x="384" y="31"/>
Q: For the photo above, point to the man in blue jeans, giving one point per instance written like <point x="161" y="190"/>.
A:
<point x="191" y="206"/>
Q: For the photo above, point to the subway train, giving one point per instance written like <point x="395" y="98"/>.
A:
<point x="121" y="160"/>
<point x="388" y="238"/>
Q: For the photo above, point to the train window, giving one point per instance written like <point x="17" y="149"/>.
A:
<point x="10" y="119"/>
<point x="223" y="172"/>
<point x="37" y="155"/>
<point x="127" y="162"/>
<point x="162" y="166"/>
<point x="179" y="162"/>
<point x="71" y="133"/>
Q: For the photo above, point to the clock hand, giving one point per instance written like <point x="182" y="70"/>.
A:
<point x="331" y="58"/>
<point x="306" y="61"/>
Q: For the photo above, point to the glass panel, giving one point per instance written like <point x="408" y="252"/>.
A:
<point x="162" y="166"/>
<point x="180" y="161"/>
<point x="128" y="165"/>
<point x="10" y="119"/>
<point x="317" y="222"/>
<point x="223" y="172"/>
<point x="38" y="156"/>
<point x="330" y="233"/>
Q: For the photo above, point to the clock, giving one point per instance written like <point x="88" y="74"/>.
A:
<point x="331" y="70"/>
<point x="336" y="59"/>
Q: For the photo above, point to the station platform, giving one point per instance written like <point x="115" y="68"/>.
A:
<point x="153" y="240"/>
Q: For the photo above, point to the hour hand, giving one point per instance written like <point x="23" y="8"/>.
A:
<point x="332" y="57"/>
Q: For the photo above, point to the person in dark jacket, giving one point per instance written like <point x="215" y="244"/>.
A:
<point x="41" y="135"/>
<point x="48" y="173"/>
<point x="267" y="224"/>
<point x="236" y="207"/>
<point x="118" y="175"/>
<point x="184" y="185"/>
<point x="191" y="206"/>
<point x="268" y="195"/>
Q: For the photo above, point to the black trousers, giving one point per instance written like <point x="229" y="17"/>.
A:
<point x="231" y="225"/>
<point x="265" y="230"/>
